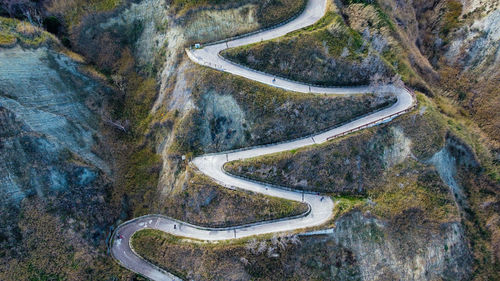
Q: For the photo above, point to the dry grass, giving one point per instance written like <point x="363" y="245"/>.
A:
<point x="334" y="46"/>
<point x="203" y="202"/>
<point x="50" y="250"/>
<point x="393" y="192"/>
<point x="14" y="31"/>
<point x="78" y="58"/>
<point x="411" y="185"/>
<point x="270" y="114"/>
<point x="268" y="13"/>
<point x="247" y="259"/>
<point x="73" y="11"/>
<point x="26" y="29"/>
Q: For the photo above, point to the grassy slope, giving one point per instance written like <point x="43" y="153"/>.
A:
<point x="333" y="45"/>
<point x="71" y="13"/>
<point x="137" y="164"/>
<point x="13" y="31"/>
<point x="48" y="244"/>
<point x="409" y="184"/>
<point x="269" y="13"/>
<point x="51" y="253"/>
<point x="202" y="202"/>
<point x="427" y="129"/>
<point x="270" y="114"/>
<point x="361" y="157"/>
<point x="470" y="83"/>
<point x="309" y="259"/>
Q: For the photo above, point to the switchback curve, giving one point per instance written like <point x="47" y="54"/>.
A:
<point x="321" y="208"/>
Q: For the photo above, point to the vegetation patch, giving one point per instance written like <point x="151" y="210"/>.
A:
<point x="14" y="31"/>
<point x="48" y="252"/>
<point x="279" y="258"/>
<point x="353" y="164"/>
<point x="232" y="112"/>
<point x="412" y="185"/>
<point x="141" y="179"/>
<point x="205" y="203"/>
<point x="346" y="47"/>
<point x="269" y="13"/>
<point x="72" y="12"/>
<point x="451" y="17"/>
<point x="394" y="189"/>
<point x="327" y="47"/>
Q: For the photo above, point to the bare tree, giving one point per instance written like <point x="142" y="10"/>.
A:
<point x="282" y="242"/>
<point x="33" y="16"/>
<point x="262" y="247"/>
<point x="25" y="8"/>
<point x="396" y="81"/>
<point x="119" y="82"/>
<point x="252" y="245"/>
<point x="11" y="5"/>
<point x="279" y="241"/>
<point x="271" y="253"/>
<point x="121" y="125"/>
<point x="376" y="80"/>
<point x="244" y="261"/>
<point x="294" y="239"/>
<point x="274" y="240"/>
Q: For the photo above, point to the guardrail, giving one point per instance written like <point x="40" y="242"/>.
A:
<point x="137" y="255"/>
<point x="375" y="121"/>
<point x="282" y="77"/>
<point x="236" y="37"/>
<point x="371" y="123"/>
<point x="228" y="228"/>
<point x="272" y="185"/>
<point x="328" y="139"/>
<point x="328" y="128"/>
<point x="151" y="216"/>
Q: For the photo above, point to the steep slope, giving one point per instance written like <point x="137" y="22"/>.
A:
<point x="445" y="48"/>
<point x="54" y="172"/>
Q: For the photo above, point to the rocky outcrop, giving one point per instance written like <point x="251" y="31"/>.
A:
<point x="50" y="145"/>
<point x="405" y="248"/>
<point x="44" y="101"/>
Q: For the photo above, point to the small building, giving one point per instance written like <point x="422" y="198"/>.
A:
<point x="197" y="45"/>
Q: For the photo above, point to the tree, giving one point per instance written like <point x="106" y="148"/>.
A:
<point x="22" y="9"/>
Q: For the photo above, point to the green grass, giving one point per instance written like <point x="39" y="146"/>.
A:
<point x="72" y="12"/>
<point x="141" y="178"/>
<point x="451" y="17"/>
<point x="105" y="5"/>
<point x="304" y="55"/>
<point x="345" y="204"/>
<point x="15" y="31"/>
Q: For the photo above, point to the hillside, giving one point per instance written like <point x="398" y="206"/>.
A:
<point x="102" y="114"/>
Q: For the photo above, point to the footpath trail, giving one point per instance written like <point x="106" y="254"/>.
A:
<point x="320" y="208"/>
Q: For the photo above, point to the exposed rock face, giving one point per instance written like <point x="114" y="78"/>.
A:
<point x="42" y="94"/>
<point x="48" y="140"/>
<point x="400" y="149"/>
<point x="481" y="43"/>
<point x="404" y="248"/>
<point x="224" y="123"/>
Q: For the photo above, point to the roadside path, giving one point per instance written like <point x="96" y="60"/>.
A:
<point x="321" y="209"/>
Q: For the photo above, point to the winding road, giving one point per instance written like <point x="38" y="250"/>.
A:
<point x="321" y="209"/>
